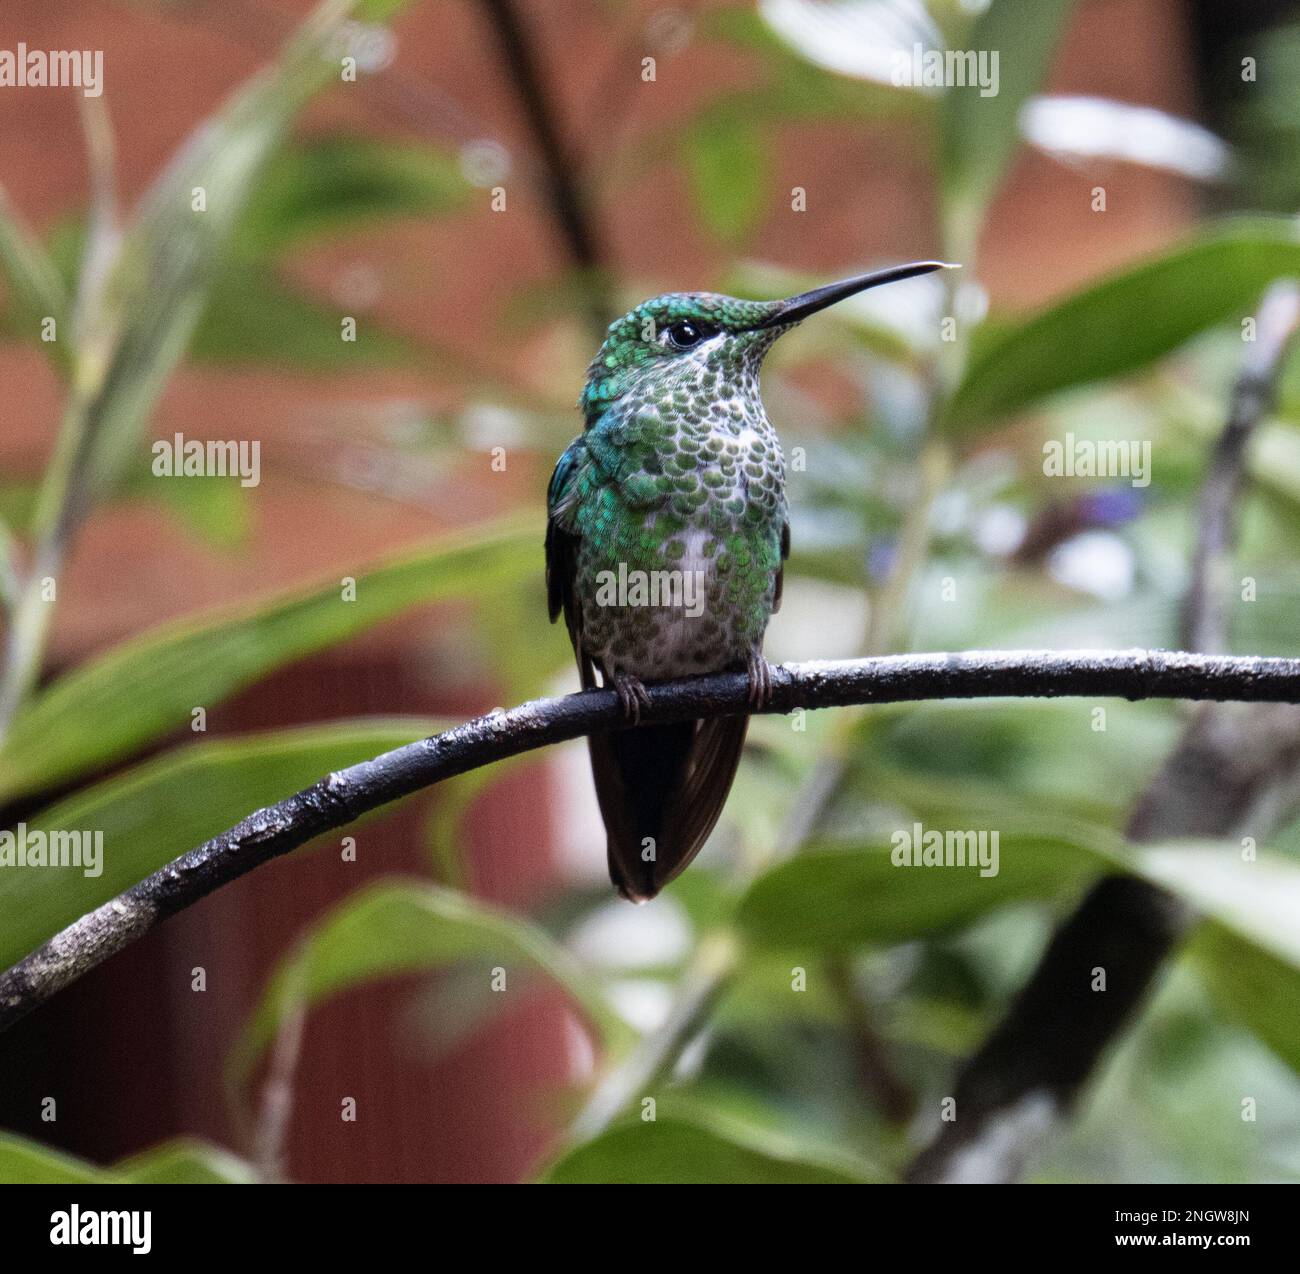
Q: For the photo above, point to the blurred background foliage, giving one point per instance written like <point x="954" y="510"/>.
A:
<point x="922" y="520"/>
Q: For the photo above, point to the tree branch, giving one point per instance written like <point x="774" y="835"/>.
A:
<point x="343" y="796"/>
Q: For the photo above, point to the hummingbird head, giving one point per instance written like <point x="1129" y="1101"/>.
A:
<point x="706" y="339"/>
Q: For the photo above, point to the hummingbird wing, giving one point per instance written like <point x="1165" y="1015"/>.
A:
<point x="780" y="570"/>
<point x="562" y="556"/>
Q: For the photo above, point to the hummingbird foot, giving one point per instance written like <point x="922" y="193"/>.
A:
<point x="632" y="695"/>
<point x="760" y="681"/>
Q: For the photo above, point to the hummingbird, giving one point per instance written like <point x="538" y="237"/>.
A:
<point x="667" y="533"/>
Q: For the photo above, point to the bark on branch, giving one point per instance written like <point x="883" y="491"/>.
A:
<point x="343" y="796"/>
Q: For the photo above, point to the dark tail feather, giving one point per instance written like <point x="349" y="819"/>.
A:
<point x="661" y="790"/>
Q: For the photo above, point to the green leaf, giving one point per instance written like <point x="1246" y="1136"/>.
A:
<point x="980" y="133"/>
<point x="726" y="161"/>
<point x="379" y="11"/>
<point x="1251" y="986"/>
<point x="837" y="898"/>
<point x="333" y="184"/>
<point x="149" y="685"/>
<point x="252" y="318"/>
<point x="795" y="84"/>
<point x="9" y="587"/>
<point x="1259" y="899"/>
<point x="159" y="810"/>
<point x="674" y="1152"/>
<point x="522" y="656"/>
<point x="185" y="1161"/>
<point x="137" y="322"/>
<point x="24" y="1162"/>
<point x="17" y="500"/>
<point x="214" y="509"/>
<point x="1249" y="951"/>
<point x="399" y="927"/>
<point x="1128" y="320"/>
<point x="38" y="291"/>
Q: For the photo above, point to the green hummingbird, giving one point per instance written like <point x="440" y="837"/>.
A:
<point x="667" y="533"/>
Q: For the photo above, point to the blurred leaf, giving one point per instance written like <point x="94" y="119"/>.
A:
<point x="1251" y="986"/>
<point x="1250" y="950"/>
<point x="65" y="242"/>
<point x="980" y="133"/>
<point x="794" y="86"/>
<point x="837" y="898"/>
<point x="134" y="326"/>
<point x="334" y="184"/>
<point x="252" y="318"/>
<point x="760" y="993"/>
<point x="1275" y="460"/>
<point x="379" y="11"/>
<point x="149" y="685"/>
<point x="523" y="657"/>
<point x="673" y="1152"/>
<point x="8" y="568"/>
<point x="37" y="290"/>
<point x="954" y="1030"/>
<point x="1128" y="320"/>
<point x="1258" y="900"/>
<point x="1098" y="128"/>
<point x="17" y="500"/>
<point x="185" y="1161"/>
<point x="24" y="1162"/>
<point x="215" y="509"/>
<point x="396" y="927"/>
<point x="726" y="160"/>
<point x="164" y="807"/>
<point x="997" y="760"/>
<point x="450" y="1009"/>
<point x="859" y="38"/>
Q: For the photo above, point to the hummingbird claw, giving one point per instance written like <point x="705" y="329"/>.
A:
<point x="632" y="695"/>
<point x="760" y="682"/>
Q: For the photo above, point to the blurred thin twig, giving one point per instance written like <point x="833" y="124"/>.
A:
<point x="562" y="180"/>
<point x="701" y="986"/>
<point x="892" y="1095"/>
<point x="276" y="1109"/>
<point x="1204" y="616"/>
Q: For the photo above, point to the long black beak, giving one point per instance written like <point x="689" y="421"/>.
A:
<point x="799" y="307"/>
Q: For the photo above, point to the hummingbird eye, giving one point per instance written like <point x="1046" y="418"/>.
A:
<point x="686" y="333"/>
